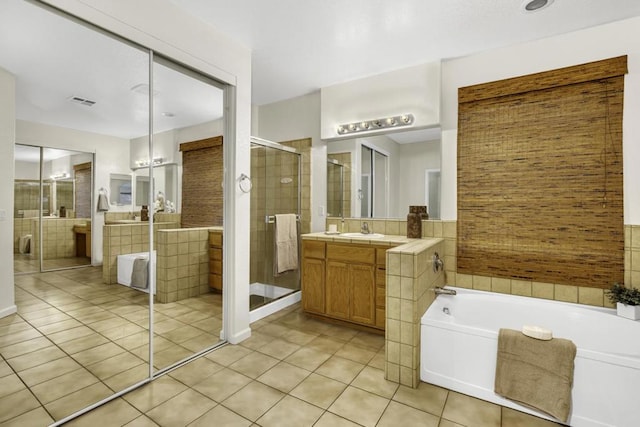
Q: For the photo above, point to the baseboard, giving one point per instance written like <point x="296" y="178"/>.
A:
<point x="239" y="337"/>
<point x="8" y="311"/>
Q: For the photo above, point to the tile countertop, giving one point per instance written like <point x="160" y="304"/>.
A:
<point x="400" y="244"/>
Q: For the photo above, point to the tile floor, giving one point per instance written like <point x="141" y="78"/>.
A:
<point x="293" y="371"/>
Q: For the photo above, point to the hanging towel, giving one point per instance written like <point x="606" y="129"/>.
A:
<point x="103" y="202"/>
<point x="285" y="239"/>
<point x="139" y="274"/>
<point x="536" y="373"/>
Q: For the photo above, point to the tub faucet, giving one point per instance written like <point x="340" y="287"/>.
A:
<point x="364" y="229"/>
<point x="442" y="291"/>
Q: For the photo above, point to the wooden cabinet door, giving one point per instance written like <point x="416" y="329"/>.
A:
<point x="337" y="289"/>
<point x="313" y="285"/>
<point x="363" y="294"/>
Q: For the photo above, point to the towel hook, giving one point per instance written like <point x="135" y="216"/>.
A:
<point x="245" y="183"/>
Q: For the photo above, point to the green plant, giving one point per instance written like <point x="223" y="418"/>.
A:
<point x="625" y="295"/>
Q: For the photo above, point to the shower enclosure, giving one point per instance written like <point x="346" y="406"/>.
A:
<point x="275" y="177"/>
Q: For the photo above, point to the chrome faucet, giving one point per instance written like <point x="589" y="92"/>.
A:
<point x="442" y="291"/>
<point x="364" y="229"/>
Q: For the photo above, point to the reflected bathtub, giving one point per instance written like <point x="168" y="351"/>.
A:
<point x="459" y="336"/>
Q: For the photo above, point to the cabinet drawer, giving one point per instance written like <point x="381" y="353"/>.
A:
<point x="215" y="281"/>
<point x="381" y="257"/>
<point x="381" y="296"/>
<point x="313" y="249"/>
<point x="215" y="239"/>
<point x="215" y="267"/>
<point x="351" y="253"/>
<point x="215" y="254"/>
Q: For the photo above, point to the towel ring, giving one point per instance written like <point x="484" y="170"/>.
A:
<point x="245" y="183"/>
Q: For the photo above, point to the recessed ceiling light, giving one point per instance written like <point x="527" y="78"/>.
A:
<point x="535" y="5"/>
<point x="168" y="114"/>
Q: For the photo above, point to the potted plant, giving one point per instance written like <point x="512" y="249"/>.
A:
<point x="627" y="300"/>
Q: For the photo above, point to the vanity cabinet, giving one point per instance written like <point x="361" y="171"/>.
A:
<point x="344" y="281"/>
<point x="215" y="260"/>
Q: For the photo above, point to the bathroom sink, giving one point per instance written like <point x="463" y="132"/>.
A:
<point x="362" y="235"/>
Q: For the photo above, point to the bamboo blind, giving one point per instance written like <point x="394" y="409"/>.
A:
<point x="82" y="194"/>
<point x="540" y="191"/>
<point x="202" y="173"/>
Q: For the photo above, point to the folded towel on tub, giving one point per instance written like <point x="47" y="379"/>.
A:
<point x="285" y="253"/>
<point x="536" y="373"/>
<point x="140" y="273"/>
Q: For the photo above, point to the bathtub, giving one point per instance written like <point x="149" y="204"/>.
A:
<point x="459" y="338"/>
<point x="125" y="268"/>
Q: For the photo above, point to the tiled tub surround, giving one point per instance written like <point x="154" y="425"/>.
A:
<point x="182" y="263"/>
<point x="447" y="231"/>
<point x="59" y="240"/>
<point x="409" y="278"/>
<point x="118" y="239"/>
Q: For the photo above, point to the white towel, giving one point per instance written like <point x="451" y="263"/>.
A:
<point x="103" y="203"/>
<point x="285" y="252"/>
<point x="139" y="274"/>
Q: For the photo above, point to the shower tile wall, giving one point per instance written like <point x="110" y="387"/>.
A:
<point x="345" y="160"/>
<point x="272" y="194"/>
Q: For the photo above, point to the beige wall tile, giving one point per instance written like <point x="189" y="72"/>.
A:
<point x="501" y="285"/>
<point x="591" y="296"/>
<point x="542" y="290"/>
<point x="481" y="283"/>
<point x="521" y="287"/>
<point x="566" y="293"/>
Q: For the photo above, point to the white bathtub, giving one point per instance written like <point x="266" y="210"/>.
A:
<point x="458" y="351"/>
<point x="125" y="267"/>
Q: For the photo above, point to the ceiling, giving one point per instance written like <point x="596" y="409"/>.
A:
<point x="298" y="46"/>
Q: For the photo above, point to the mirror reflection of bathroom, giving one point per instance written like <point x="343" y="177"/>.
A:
<point x="375" y="168"/>
<point x="56" y="207"/>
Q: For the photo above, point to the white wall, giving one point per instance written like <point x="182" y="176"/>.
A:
<point x="414" y="159"/>
<point x="299" y="118"/>
<point x="27" y="170"/>
<point x="210" y="52"/>
<point x="606" y="41"/>
<point x="7" y="138"/>
<point x="111" y="156"/>
<point x="409" y="90"/>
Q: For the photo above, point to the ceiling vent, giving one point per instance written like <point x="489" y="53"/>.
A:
<point x="81" y="101"/>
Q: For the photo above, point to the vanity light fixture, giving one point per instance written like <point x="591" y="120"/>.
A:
<point x="145" y="162"/>
<point x="59" y="175"/>
<point x="376" y="124"/>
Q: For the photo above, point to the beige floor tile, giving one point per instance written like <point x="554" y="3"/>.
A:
<point x="291" y="412"/>
<point x="181" y="334"/>
<point x="141" y="421"/>
<point x="46" y="371"/>
<point x="298" y="337"/>
<point x="17" y="404"/>
<point x="134" y="340"/>
<point x="447" y="423"/>
<point x="253" y="365"/>
<point x="14" y="327"/>
<point x="47" y="320"/>
<point x="332" y="420"/>
<point x="467" y="410"/>
<point x="194" y="372"/>
<point x="426" y="397"/>
<point x="326" y="344"/>
<point x="356" y="353"/>
<point x="253" y="400"/>
<point x="110" y="323"/>
<point x="221" y="416"/>
<point x="98" y="353"/>
<point x="284" y="376"/>
<point x="43" y="310"/>
<point x="201" y="342"/>
<point x="116" y="413"/>
<point x="58" y="387"/>
<point x="36" y="358"/>
<point x="24" y="347"/>
<point x="359" y="406"/>
<point x="222" y="384"/>
<point x="228" y="354"/>
<point x="513" y="418"/>
<point x="70" y="334"/>
<point x="73" y="402"/>
<point x="257" y="340"/>
<point x="123" y="331"/>
<point x="339" y="332"/>
<point x="274" y="329"/>
<point x="153" y="394"/>
<point x="10" y="384"/>
<point x="372" y="380"/>
<point x="399" y="414"/>
<point x="279" y="348"/>
<point x="34" y="417"/>
<point x="5" y="369"/>
<point x="369" y="340"/>
<point x="181" y="409"/>
<point x="128" y="378"/>
<point x="170" y="355"/>
<point x="340" y="369"/>
<point x="318" y="390"/>
<point x="59" y="326"/>
<point x="378" y="360"/>
<point x="84" y="343"/>
<point x="166" y="326"/>
<point x="307" y="358"/>
<point x="114" y="365"/>
<point x="18" y="337"/>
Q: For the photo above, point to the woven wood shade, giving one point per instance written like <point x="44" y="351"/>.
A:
<point x="202" y="172"/>
<point x="540" y="190"/>
<point x="82" y="175"/>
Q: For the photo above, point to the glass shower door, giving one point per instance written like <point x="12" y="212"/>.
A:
<point x="275" y="174"/>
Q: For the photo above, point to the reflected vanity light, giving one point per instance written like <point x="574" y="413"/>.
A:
<point x="145" y="162"/>
<point x="402" y="120"/>
<point x="59" y="175"/>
